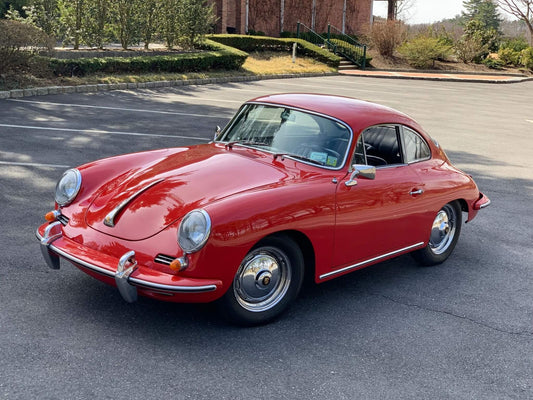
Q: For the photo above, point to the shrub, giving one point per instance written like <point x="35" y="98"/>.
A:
<point x="423" y="51"/>
<point x="493" y="63"/>
<point x="19" y="43"/>
<point x="387" y="36"/>
<point x="216" y="56"/>
<point x="471" y="49"/>
<point x="517" y="44"/>
<point x="508" y="56"/>
<point x="526" y="58"/>
<point x="261" y="43"/>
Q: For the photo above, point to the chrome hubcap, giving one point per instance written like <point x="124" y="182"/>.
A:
<point x="262" y="280"/>
<point x="443" y="230"/>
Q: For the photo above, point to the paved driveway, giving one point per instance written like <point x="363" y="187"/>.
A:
<point x="460" y="330"/>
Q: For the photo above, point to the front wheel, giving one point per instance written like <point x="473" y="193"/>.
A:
<point x="268" y="279"/>
<point x="443" y="237"/>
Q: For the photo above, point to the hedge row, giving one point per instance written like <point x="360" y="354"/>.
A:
<point x="215" y="56"/>
<point x="261" y="43"/>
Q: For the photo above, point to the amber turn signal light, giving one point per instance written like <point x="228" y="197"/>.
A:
<point x="52" y="215"/>
<point x="179" y="264"/>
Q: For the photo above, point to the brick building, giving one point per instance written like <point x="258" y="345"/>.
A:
<point x="275" y="16"/>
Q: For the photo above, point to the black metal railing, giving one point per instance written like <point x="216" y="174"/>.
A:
<point x="309" y="35"/>
<point x="335" y="41"/>
<point x="347" y="46"/>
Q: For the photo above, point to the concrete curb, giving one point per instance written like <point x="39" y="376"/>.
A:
<point x="104" y="87"/>
<point x="447" y="76"/>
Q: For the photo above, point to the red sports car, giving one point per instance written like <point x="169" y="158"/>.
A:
<point x="294" y="185"/>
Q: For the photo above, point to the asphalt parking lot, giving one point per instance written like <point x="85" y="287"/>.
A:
<point x="462" y="330"/>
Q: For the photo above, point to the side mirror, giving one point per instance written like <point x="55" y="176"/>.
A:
<point x="361" y="171"/>
<point x="217" y="132"/>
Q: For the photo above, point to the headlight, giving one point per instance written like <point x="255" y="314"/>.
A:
<point x="68" y="187"/>
<point x="194" y="231"/>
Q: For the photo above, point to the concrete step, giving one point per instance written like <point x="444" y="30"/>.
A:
<point x="346" y="64"/>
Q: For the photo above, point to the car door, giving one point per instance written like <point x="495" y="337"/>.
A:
<point x="378" y="217"/>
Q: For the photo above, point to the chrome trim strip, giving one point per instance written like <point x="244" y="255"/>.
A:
<point x="136" y="281"/>
<point x="482" y="206"/>
<point x="81" y="262"/>
<point x="109" y="220"/>
<point x="185" y="289"/>
<point x="360" y="264"/>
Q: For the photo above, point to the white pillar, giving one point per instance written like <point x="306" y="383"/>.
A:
<point x="246" y="11"/>
<point x="313" y="15"/>
<point x="344" y="17"/>
<point x="282" y="15"/>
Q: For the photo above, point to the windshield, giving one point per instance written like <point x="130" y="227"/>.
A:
<point x="293" y="133"/>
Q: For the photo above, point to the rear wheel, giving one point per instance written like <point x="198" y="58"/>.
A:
<point x="443" y="237"/>
<point x="268" y="279"/>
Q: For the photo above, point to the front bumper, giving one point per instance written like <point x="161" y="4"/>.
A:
<point x="125" y="273"/>
<point x="482" y="202"/>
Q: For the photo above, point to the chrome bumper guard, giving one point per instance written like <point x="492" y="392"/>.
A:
<point x="127" y="291"/>
<point x="127" y="264"/>
<point x="51" y="233"/>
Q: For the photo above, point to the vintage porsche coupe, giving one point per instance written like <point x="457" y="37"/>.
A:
<point x="294" y="185"/>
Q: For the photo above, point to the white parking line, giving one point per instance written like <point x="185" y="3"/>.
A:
<point x="45" y="128"/>
<point x="529" y="120"/>
<point x="24" y="164"/>
<point x="117" y="108"/>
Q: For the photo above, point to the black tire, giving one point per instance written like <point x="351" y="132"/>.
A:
<point x="443" y="236"/>
<point x="267" y="281"/>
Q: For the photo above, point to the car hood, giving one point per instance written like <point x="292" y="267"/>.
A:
<point x="141" y="202"/>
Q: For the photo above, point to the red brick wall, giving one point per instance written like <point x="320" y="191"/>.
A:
<point x="265" y="15"/>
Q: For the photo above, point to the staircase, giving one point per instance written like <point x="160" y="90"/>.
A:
<point x="352" y="52"/>
<point x="346" y="65"/>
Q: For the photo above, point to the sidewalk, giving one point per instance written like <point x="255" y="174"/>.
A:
<point x="439" y="76"/>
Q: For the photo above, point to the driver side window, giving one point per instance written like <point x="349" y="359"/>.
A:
<point x="378" y="146"/>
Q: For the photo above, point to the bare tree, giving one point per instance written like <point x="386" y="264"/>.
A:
<point x="521" y="9"/>
<point x="402" y="9"/>
<point x="399" y="9"/>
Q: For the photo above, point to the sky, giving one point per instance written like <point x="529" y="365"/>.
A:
<point x="425" y="11"/>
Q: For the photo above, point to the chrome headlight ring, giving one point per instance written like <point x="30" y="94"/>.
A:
<point x="67" y="187"/>
<point x="194" y="230"/>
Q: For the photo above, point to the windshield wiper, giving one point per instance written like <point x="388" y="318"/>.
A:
<point x="230" y="145"/>
<point x="301" y="158"/>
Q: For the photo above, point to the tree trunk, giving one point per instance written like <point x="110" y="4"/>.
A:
<point x="391" y="10"/>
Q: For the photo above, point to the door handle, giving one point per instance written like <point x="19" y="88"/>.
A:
<point x="416" y="192"/>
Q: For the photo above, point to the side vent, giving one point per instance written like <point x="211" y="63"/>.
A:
<point x="164" y="259"/>
<point x="64" y="220"/>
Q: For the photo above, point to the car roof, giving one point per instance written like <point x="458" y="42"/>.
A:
<point x="358" y="114"/>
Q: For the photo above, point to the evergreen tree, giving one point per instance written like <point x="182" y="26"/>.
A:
<point x="168" y="22"/>
<point x="483" y="11"/>
<point x="15" y="5"/>
<point x="195" y="18"/>
<point x="97" y="25"/>
<point x="148" y="19"/>
<point x="45" y="15"/>
<point x="71" y="18"/>
<point x="482" y="22"/>
<point x="127" y="28"/>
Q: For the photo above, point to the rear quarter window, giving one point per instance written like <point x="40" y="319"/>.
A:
<point x="415" y="147"/>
